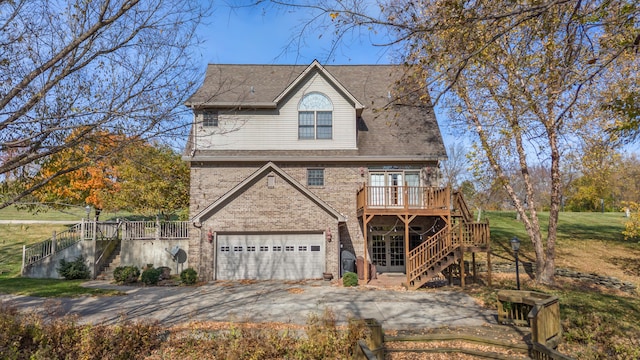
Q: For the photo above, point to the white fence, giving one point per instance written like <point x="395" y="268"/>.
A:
<point x="146" y="230"/>
<point x="104" y="233"/>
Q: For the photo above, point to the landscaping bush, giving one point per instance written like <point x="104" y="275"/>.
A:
<point x="150" y="276"/>
<point x="188" y="276"/>
<point x="126" y="274"/>
<point x="28" y="336"/>
<point x="350" y="279"/>
<point x="72" y="270"/>
<point x="165" y="272"/>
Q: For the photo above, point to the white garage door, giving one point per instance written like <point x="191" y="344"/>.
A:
<point x="270" y="256"/>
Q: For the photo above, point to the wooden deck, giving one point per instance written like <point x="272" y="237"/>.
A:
<point x="441" y="250"/>
<point x="411" y="200"/>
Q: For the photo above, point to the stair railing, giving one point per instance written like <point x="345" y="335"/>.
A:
<point x="461" y="205"/>
<point x="59" y="241"/>
<point x="106" y="243"/>
<point x="430" y="252"/>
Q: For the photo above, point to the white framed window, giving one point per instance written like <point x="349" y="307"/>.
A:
<point x="315" y="117"/>
<point x="210" y="119"/>
<point x="315" y="177"/>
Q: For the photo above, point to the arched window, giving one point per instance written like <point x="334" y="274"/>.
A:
<point x="315" y="117"/>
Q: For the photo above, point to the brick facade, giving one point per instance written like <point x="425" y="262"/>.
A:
<point x="282" y="208"/>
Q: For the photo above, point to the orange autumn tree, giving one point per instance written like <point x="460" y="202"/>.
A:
<point x="117" y="172"/>
<point x="95" y="175"/>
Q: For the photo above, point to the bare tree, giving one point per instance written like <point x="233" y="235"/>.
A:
<point x="525" y="78"/>
<point x="454" y="168"/>
<point x="71" y="67"/>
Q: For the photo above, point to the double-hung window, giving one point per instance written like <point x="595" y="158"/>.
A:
<point x="315" y="117"/>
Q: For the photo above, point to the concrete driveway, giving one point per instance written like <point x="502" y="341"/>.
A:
<point x="268" y="301"/>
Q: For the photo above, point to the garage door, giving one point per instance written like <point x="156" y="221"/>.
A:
<point x="270" y="256"/>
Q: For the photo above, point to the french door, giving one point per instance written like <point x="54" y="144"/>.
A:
<point x="387" y="188"/>
<point x="387" y="252"/>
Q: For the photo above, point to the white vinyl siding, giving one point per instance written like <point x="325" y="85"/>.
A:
<point x="278" y="129"/>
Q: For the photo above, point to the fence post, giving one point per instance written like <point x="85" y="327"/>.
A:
<point x="94" y="246"/>
<point x="83" y="229"/>
<point x="376" y="341"/>
<point x="53" y="243"/>
<point x="24" y="255"/>
<point x="157" y="228"/>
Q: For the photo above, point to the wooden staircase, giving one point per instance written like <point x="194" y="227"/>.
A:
<point x="430" y="258"/>
<point x="445" y="248"/>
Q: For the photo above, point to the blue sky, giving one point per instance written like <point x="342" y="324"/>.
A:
<point x="255" y="35"/>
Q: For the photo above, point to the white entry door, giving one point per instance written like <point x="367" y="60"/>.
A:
<point x="270" y="256"/>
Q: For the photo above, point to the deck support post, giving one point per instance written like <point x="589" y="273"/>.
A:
<point x="365" y="221"/>
<point x="489" y="265"/>
<point x="473" y="264"/>
<point x="461" y="244"/>
<point x="406" y="219"/>
<point x="406" y="249"/>
<point x="461" y="267"/>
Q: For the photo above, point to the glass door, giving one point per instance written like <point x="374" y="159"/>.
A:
<point x="387" y="253"/>
<point x="386" y="188"/>
<point x="414" y="191"/>
<point x="377" y="190"/>
<point x="396" y="253"/>
<point x="395" y="189"/>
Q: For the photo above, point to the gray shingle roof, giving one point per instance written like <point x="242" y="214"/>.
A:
<point x="401" y="129"/>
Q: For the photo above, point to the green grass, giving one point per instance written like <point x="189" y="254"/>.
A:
<point x="597" y="324"/>
<point x="49" y="287"/>
<point x="12" y="238"/>
<point x="70" y="214"/>
<point x="572" y="226"/>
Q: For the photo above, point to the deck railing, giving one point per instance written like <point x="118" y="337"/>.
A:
<point x="539" y="311"/>
<point x="473" y="234"/>
<point x="409" y="197"/>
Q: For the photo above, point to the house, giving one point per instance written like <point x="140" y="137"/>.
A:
<point x="292" y="165"/>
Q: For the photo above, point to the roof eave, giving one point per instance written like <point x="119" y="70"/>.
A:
<point x="316" y="64"/>
<point x="325" y="159"/>
<point x="232" y="105"/>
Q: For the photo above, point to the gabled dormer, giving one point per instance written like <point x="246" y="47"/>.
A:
<point x="245" y="107"/>
<point x="317" y="113"/>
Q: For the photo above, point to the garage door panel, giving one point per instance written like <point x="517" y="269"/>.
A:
<point x="270" y="256"/>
